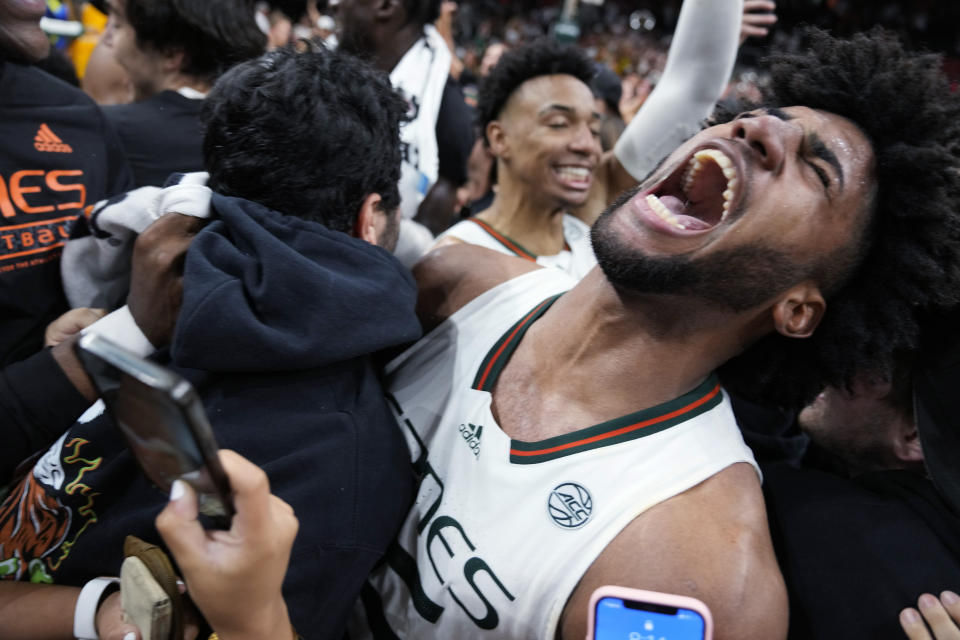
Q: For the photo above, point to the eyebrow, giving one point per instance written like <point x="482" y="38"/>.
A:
<point x="815" y="144"/>
<point x="778" y="113"/>
<point x="823" y="152"/>
<point x="566" y="109"/>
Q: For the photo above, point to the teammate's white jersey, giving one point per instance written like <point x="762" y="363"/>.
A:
<point x="576" y="258"/>
<point x="501" y="531"/>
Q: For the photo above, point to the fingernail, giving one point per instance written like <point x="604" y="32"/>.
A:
<point x="176" y="492"/>
<point x="949" y="597"/>
<point x="910" y="616"/>
<point x="927" y="601"/>
<point x="131" y="635"/>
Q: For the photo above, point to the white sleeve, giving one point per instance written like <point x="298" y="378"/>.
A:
<point x="699" y="65"/>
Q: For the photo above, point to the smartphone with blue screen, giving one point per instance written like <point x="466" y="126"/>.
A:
<point x="620" y="613"/>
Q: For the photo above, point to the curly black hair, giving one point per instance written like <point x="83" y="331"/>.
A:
<point x="214" y="35"/>
<point x="289" y="132"/>
<point x="543" y="57"/>
<point x="910" y="257"/>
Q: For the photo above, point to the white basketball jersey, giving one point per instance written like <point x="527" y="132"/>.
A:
<point x="576" y="258"/>
<point x="501" y="530"/>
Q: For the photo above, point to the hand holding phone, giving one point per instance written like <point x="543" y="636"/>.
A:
<point x="163" y="421"/>
<point x="621" y="613"/>
<point x="235" y="577"/>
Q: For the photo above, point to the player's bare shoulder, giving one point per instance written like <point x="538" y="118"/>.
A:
<point x="710" y="542"/>
<point x="452" y="275"/>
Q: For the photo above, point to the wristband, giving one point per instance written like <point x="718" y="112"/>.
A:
<point x="85" y="614"/>
<point x="120" y="327"/>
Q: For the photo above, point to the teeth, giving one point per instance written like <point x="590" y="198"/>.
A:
<point x="692" y="170"/>
<point x="577" y="173"/>
<point x="719" y="158"/>
<point x="661" y="210"/>
<point x="727" y="199"/>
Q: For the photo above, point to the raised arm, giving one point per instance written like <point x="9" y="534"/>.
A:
<point x="699" y="65"/>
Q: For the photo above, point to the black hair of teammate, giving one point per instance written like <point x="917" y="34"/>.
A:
<point x="214" y="35"/>
<point x="909" y="260"/>
<point x="289" y="132"/>
<point x="541" y="58"/>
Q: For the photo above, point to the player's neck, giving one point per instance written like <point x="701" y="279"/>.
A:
<point x="610" y="357"/>
<point x="536" y="226"/>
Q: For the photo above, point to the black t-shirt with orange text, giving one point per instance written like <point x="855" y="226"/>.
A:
<point x="58" y="155"/>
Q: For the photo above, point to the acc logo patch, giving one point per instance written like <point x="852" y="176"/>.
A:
<point x="570" y="505"/>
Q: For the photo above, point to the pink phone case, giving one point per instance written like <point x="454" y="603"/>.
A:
<point x="653" y="597"/>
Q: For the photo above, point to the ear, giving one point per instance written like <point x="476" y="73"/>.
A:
<point x="798" y="312"/>
<point x="497" y="138"/>
<point x="906" y="444"/>
<point x="371" y="221"/>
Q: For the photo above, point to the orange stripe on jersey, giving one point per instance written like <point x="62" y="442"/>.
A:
<point x="623" y="430"/>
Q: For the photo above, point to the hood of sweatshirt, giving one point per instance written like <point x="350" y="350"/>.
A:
<point x="268" y="292"/>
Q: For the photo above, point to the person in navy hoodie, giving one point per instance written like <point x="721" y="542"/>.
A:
<point x="287" y="295"/>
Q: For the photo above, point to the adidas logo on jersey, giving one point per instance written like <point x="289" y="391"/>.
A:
<point x="47" y="140"/>
<point x="471" y="434"/>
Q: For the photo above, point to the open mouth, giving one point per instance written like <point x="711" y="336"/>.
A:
<point x="700" y="194"/>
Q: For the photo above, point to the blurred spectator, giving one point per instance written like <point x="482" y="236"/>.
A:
<point x="608" y="91"/>
<point x="273" y="22"/>
<point x="105" y="80"/>
<point x="634" y="91"/>
<point x="173" y="52"/>
<point x="58" y="156"/>
<point x="491" y="56"/>
<point x="326" y="31"/>
<point x="401" y="40"/>
<point x="477" y="193"/>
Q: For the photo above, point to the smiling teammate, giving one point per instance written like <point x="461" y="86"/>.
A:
<point x="536" y="110"/>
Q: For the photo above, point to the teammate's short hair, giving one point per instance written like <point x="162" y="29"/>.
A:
<point x="541" y="58"/>
<point x="908" y="259"/>
<point x="290" y="132"/>
<point x="213" y="34"/>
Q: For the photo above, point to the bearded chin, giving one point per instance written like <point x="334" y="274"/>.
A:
<point x="631" y="271"/>
<point x="736" y="279"/>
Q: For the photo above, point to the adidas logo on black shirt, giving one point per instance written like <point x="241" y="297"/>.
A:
<point x="47" y="140"/>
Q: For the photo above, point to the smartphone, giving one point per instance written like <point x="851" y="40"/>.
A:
<point x="163" y="421"/>
<point x="620" y="613"/>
